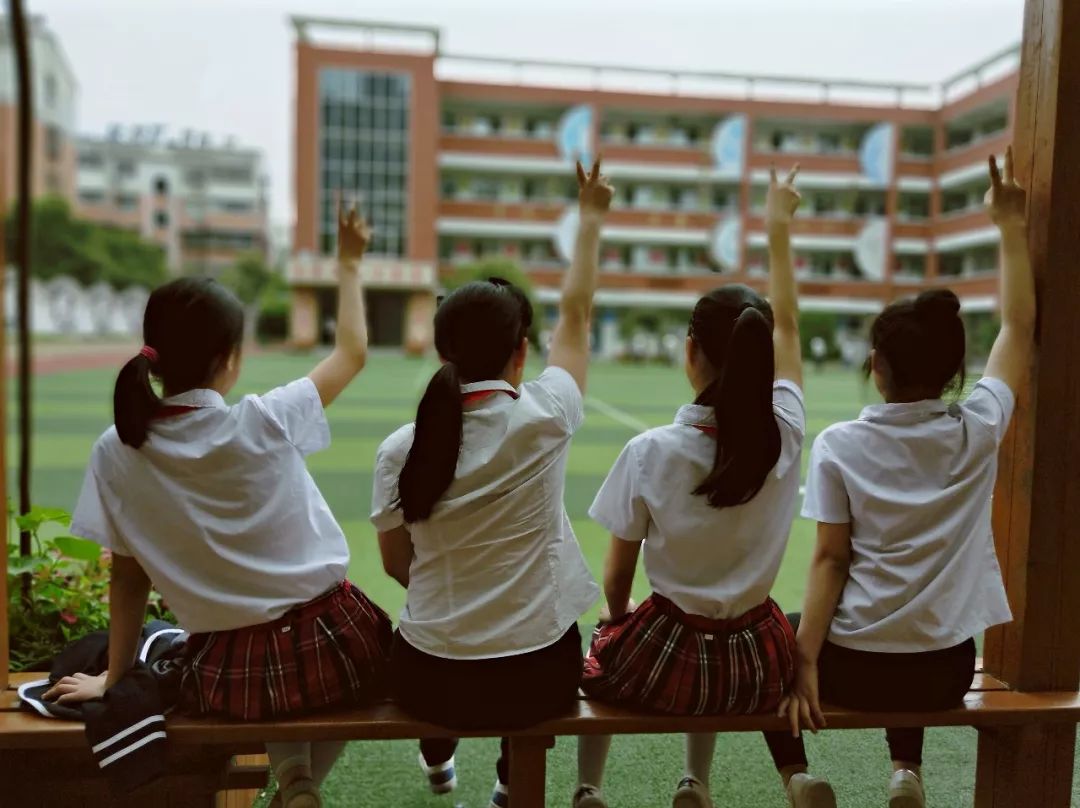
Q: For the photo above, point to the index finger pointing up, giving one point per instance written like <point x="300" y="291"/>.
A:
<point x="793" y="174"/>
<point x="594" y="175"/>
<point x="995" y="175"/>
<point x="580" y="173"/>
<point x="772" y="174"/>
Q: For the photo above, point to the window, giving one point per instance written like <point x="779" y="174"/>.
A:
<point x="125" y="168"/>
<point x="371" y="157"/>
<point x="91" y="197"/>
<point x="91" y="160"/>
<point x="161" y="186"/>
<point x="54" y="143"/>
<point x="127" y="201"/>
<point x="161" y="220"/>
<point x="50" y="90"/>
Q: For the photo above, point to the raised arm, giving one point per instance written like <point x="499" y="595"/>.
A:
<point x="780" y="205"/>
<point x="570" y="342"/>
<point x="333" y="374"/>
<point x="1006" y="202"/>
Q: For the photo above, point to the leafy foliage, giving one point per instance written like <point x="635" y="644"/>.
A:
<point x="62" y="245"/>
<point x="69" y="589"/>
<point x="249" y="278"/>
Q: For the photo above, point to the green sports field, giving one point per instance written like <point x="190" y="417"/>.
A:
<point x="71" y="409"/>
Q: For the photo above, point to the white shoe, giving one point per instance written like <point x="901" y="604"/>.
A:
<point x="805" y="791"/>
<point x="442" y="777"/>
<point x="589" y="797"/>
<point x="906" y="790"/>
<point x="500" y="796"/>
<point x="691" y="793"/>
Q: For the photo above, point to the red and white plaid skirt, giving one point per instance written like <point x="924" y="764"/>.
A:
<point x="660" y="658"/>
<point x="329" y="652"/>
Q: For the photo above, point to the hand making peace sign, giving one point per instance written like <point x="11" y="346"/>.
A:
<point x="594" y="190"/>
<point x="782" y="200"/>
<point x="1006" y="201"/>
<point x="354" y="235"/>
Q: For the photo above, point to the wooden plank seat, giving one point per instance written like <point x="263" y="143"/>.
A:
<point x="989" y="704"/>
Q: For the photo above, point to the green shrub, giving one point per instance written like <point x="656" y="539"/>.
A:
<point x="69" y="589"/>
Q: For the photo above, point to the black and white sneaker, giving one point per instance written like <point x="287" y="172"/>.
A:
<point x="442" y="777"/>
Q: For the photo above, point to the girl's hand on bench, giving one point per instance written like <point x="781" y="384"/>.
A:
<point x="78" y="688"/>
<point x="802" y="707"/>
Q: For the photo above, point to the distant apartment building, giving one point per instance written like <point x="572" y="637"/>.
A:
<point x="55" y="96"/>
<point x="204" y="202"/>
<point x="462" y="157"/>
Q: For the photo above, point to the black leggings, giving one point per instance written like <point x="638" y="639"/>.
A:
<point x="866" y="680"/>
<point x="511" y="692"/>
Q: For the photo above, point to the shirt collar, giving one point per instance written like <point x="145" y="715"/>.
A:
<point x="199" y="397"/>
<point x="913" y="412"/>
<point x="696" y="415"/>
<point x="492" y="386"/>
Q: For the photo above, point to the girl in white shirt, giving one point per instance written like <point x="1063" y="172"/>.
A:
<point x="711" y="499"/>
<point x="214" y="506"/>
<point x="468" y="504"/>
<point x="905" y="574"/>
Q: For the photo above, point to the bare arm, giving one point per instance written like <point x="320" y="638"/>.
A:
<point x="333" y="374"/>
<point x="1007" y="202"/>
<point x="570" y="341"/>
<point x="829" y="571"/>
<point x="619" y="567"/>
<point x="129" y="589"/>
<point x="396" y="549"/>
<point x="782" y="202"/>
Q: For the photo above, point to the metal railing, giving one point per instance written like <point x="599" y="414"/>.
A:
<point x="524" y="72"/>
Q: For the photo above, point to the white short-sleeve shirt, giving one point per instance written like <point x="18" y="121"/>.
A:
<point x="915" y="482"/>
<point x="218" y="506"/>
<point x="714" y="562"/>
<point x="497" y="570"/>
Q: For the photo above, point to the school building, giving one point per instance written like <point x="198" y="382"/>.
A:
<point x="462" y="157"/>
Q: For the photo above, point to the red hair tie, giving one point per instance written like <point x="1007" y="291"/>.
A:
<point x="149" y="353"/>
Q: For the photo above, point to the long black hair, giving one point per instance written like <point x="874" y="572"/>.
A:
<point x="732" y="326"/>
<point x="477" y="329"/>
<point x="191" y="328"/>
<point x="923" y="344"/>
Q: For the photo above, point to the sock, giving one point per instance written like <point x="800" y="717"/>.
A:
<point x="592" y="757"/>
<point x="700" y="747"/>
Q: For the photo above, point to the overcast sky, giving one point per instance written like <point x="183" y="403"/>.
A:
<point x="225" y="66"/>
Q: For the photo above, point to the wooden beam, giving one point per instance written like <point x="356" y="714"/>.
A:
<point x="1036" y="508"/>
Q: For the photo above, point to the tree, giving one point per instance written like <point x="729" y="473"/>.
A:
<point x="61" y="245"/>
<point x="249" y="278"/>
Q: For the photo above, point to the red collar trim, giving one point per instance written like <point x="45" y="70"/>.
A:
<point x="706" y="428"/>
<point x="478" y="395"/>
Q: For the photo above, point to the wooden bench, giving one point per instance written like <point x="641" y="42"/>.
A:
<point x="31" y="747"/>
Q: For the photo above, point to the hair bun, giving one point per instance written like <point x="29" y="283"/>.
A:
<point x="937" y="304"/>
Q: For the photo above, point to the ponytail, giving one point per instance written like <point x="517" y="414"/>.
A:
<point x="747" y="437"/>
<point x="134" y="401"/>
<point x="432" y="460"/>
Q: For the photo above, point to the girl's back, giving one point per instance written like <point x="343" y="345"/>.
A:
<point x="215" y="492"/>
<point x="915" y="481"/>
<point x="713" y="562"/>
<point x="496" y="569"/>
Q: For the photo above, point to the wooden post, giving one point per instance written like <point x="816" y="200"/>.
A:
<point x="1036" y="509"/>
<point x="528" y="770"/>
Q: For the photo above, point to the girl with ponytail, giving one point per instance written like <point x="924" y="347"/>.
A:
<point x="711" y="499"/>
<point x="468" y="505"/>
<point x="213" y="504"/>
<point x="905" y="575"/>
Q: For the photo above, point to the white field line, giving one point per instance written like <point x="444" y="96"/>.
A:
<point x="630" y="422"/>
<point x="615" y="414"/>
